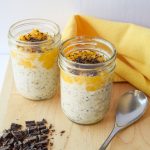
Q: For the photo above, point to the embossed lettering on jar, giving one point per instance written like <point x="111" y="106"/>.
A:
<point x="34" y="51"/>
<point x="86" y="67"/>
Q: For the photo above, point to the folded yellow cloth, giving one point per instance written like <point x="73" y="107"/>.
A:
<point x="131" y="41"/>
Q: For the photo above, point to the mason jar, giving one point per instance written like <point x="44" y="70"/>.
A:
<point x="86" y="87"/>
<point x="34" y="61"/>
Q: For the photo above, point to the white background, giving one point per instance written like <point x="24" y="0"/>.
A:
<point x="135" y="11"/>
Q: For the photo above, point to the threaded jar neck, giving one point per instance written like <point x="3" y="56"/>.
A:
<point x="95" y="44"/>
<point x="25" y="26"/>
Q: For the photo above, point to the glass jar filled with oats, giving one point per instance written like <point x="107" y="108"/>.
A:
<point x="34" y="51"/>
<point x="87" y="65"/>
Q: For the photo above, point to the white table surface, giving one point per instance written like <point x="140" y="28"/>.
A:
<point x="4" y="58"/>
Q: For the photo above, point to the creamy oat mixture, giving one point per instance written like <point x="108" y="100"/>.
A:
<point x="35" y="68"/>
<point x="85" y="98"/>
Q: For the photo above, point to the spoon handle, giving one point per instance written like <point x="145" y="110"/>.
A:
<point x="110" y="137"/>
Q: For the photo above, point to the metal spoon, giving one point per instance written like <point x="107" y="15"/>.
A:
<point x="131" y="107"/>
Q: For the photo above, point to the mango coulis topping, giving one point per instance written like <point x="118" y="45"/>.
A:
<point x="41" y="55"/>
<point x="34" y="36"/>
<point x="29" y="60"/>
<point x="91" y="83"/>
<point x="48" y="59"/>
<point x="85" y="57"/>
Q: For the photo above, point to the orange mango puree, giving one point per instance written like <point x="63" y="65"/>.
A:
<point x="27" y="60"/>
<point x="92" y="83"/>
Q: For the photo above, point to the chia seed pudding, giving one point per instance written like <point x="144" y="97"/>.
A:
<point x="38" y="82"/>
<point x="86" y="79"/>
<point x="34" y="56"/>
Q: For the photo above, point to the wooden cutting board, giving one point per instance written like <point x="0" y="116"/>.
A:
<point x="15" y="108"/>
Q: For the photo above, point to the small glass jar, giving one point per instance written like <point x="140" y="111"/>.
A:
<point x="35" y="67"/>
<point x="86" y="88"/>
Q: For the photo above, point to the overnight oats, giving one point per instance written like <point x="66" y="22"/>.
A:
<point x="34" y="51"/>
<point x="86" y="67"/>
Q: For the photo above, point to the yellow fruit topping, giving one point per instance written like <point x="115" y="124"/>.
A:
<point x="33" y="60"/>
<point x="26" y="63"/>
<point x="48" y="58"/>
<point x="91" y="83"/>
<point x="85" y="56"/>
<point x="34" y="36"/>
<point x="39" y="55"/>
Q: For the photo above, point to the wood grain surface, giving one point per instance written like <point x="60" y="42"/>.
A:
<point x="15" y="108"/>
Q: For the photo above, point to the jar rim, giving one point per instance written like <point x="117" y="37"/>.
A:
<point x="29" y="22"/>
<point x="102" y="40"/>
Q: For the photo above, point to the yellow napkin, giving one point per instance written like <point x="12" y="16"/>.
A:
<point x="131" y="41"/>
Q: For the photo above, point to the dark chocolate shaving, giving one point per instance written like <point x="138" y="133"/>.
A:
<point x="34" y="137"/>
<point x="15" y="126"/>
<point x="62" y="132"/>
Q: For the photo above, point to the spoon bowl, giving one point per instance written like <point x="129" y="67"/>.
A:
<point x="132" y="105"/>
